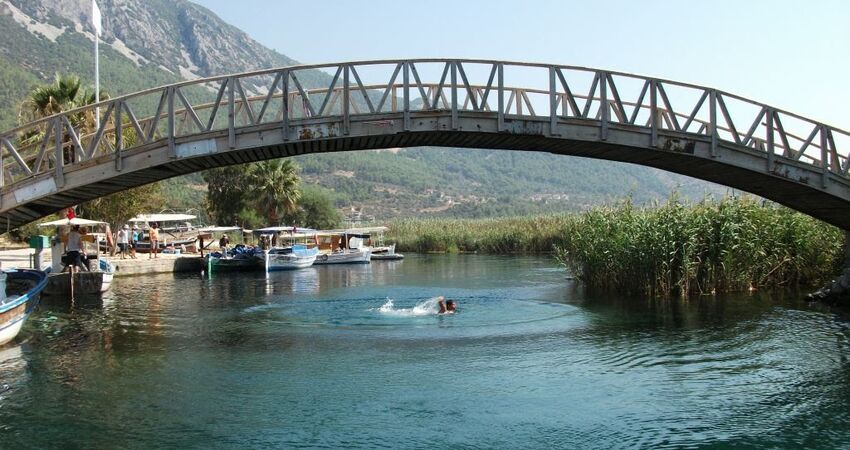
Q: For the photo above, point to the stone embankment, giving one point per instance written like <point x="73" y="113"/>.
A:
<point x="836" y="292"/>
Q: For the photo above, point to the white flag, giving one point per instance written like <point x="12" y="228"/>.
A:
<point x="95" y="17"/>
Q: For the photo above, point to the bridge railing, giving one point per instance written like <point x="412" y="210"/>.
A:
<point x="398" y="90"/>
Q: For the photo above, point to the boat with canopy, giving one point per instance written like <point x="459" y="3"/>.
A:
<point x="98" y="277"/>
<point x="343" y="247"/>
<point x="286" y="248"/>
<point x="175" y="232"/>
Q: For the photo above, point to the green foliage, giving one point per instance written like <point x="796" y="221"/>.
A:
<point x="117" y="208"/>
<point x="250" y="195"/>
<point x="680" y="249"/>
<point x="496" y="235"/>
<point x="274" y="188"/>
<point x="14" y="83"/>
<point x="315" y="210"/>
<point x="471" y="183"/>
<point x="675" y="249"/>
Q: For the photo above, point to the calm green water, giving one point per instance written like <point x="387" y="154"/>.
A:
<point x="343" y="357"/>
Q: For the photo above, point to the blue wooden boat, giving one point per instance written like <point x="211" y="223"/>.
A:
<point x="23" y="287"/>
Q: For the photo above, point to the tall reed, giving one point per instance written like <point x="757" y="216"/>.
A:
<point x="734" y="244"/>
<point x="538" y="234"/>
<point x="675" y="248"/>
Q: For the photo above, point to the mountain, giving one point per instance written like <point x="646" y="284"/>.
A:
<point x="148" y="43"/>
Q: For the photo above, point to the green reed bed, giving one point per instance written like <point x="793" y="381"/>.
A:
<point x="537" y="234"/>
<point x="733" y="244"/>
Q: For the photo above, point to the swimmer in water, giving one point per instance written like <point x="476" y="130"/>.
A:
<point x="446" y="306"/>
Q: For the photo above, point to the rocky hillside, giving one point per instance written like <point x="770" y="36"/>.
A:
<point x="176" y="36"/>
<point x="148" y="43"/>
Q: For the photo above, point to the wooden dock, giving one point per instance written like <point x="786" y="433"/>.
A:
<point x="165" y="263"/>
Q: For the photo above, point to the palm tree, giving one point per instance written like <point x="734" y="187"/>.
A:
<point x="275" y="184"/>
<point x="63" y="95"/>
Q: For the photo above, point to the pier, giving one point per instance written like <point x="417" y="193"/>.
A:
<point x="142" y="265"/>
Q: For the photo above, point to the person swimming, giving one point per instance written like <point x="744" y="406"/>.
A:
<point x="446" y="306"/>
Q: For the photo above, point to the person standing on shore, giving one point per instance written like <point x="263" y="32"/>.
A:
<point x="123" y="241"/>
<point x="153" y="237"/>
<point x="134" y="239"/>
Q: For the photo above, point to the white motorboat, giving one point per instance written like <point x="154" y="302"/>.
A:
<point x="297" y="256"/>
<point x="343" y="247"/>
<point x="381" y="251"/>
<point x="386" y="253"/>
<point x="291" y="248"/>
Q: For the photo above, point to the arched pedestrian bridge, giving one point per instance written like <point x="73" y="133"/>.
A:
<point x="705" y="133"/>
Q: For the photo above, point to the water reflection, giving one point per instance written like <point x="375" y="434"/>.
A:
<point x="306" y="358"/>
<point x="13" y="369"/>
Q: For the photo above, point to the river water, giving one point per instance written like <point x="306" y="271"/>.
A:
<point x="354" y="356"/>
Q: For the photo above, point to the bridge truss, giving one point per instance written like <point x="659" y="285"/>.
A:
<point x="143" y="137"/>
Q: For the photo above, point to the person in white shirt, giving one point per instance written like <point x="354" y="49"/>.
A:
<point x="73" y="248"/>
<point x="123" y="240"/>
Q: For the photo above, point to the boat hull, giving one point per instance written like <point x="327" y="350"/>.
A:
<point x="387" y="257"/>
<point x="358" y="256"/>
<point x="28" y="285"/>
<point x="88" y="283"/>
<point x="284" y="262"/>
<point x="386" y="253"/>
<point x="219" y="263"/>
<point x="287" y="259"/>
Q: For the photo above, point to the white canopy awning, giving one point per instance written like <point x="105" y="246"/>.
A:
<point x="366" y="230"/>
<point x="215" y="229"/>
<point x="68" y="222"/>
<point x="162" y="218"/>
<point x="284" y="229"/>
<point x="363" y="230"/>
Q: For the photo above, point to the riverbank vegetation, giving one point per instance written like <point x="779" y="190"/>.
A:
<point x="677" y="248"/>
<point x="536" y="234"/>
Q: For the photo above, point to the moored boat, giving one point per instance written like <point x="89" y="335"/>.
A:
<point x="297" y="256"/>
<point x="175" y="232"/>
<point x="237" y="257"/>
<point x="343" y="247"/>
<point x="286" y="248"/>
<point x="380" y="251"/>
<point x="19" y="299"/>
<point x="386" y="253"/>
<point x="95" y="280"/>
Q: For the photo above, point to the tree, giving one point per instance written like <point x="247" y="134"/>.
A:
<point x="258" y="192"/>
<point x="275" y="185"/>
<point x="64" y="94"/>
<point x="117" y="208"/>
<point x="227" y="194"/>
<point x="315" y="210"/>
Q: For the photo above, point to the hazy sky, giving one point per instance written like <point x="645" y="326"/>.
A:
<point x="791" y="54"/>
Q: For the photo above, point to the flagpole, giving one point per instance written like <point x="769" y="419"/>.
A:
<point x="97" y="79"/>
<point x="96" y="24"/>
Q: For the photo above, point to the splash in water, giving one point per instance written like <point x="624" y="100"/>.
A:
<point x="423" y="308"/>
